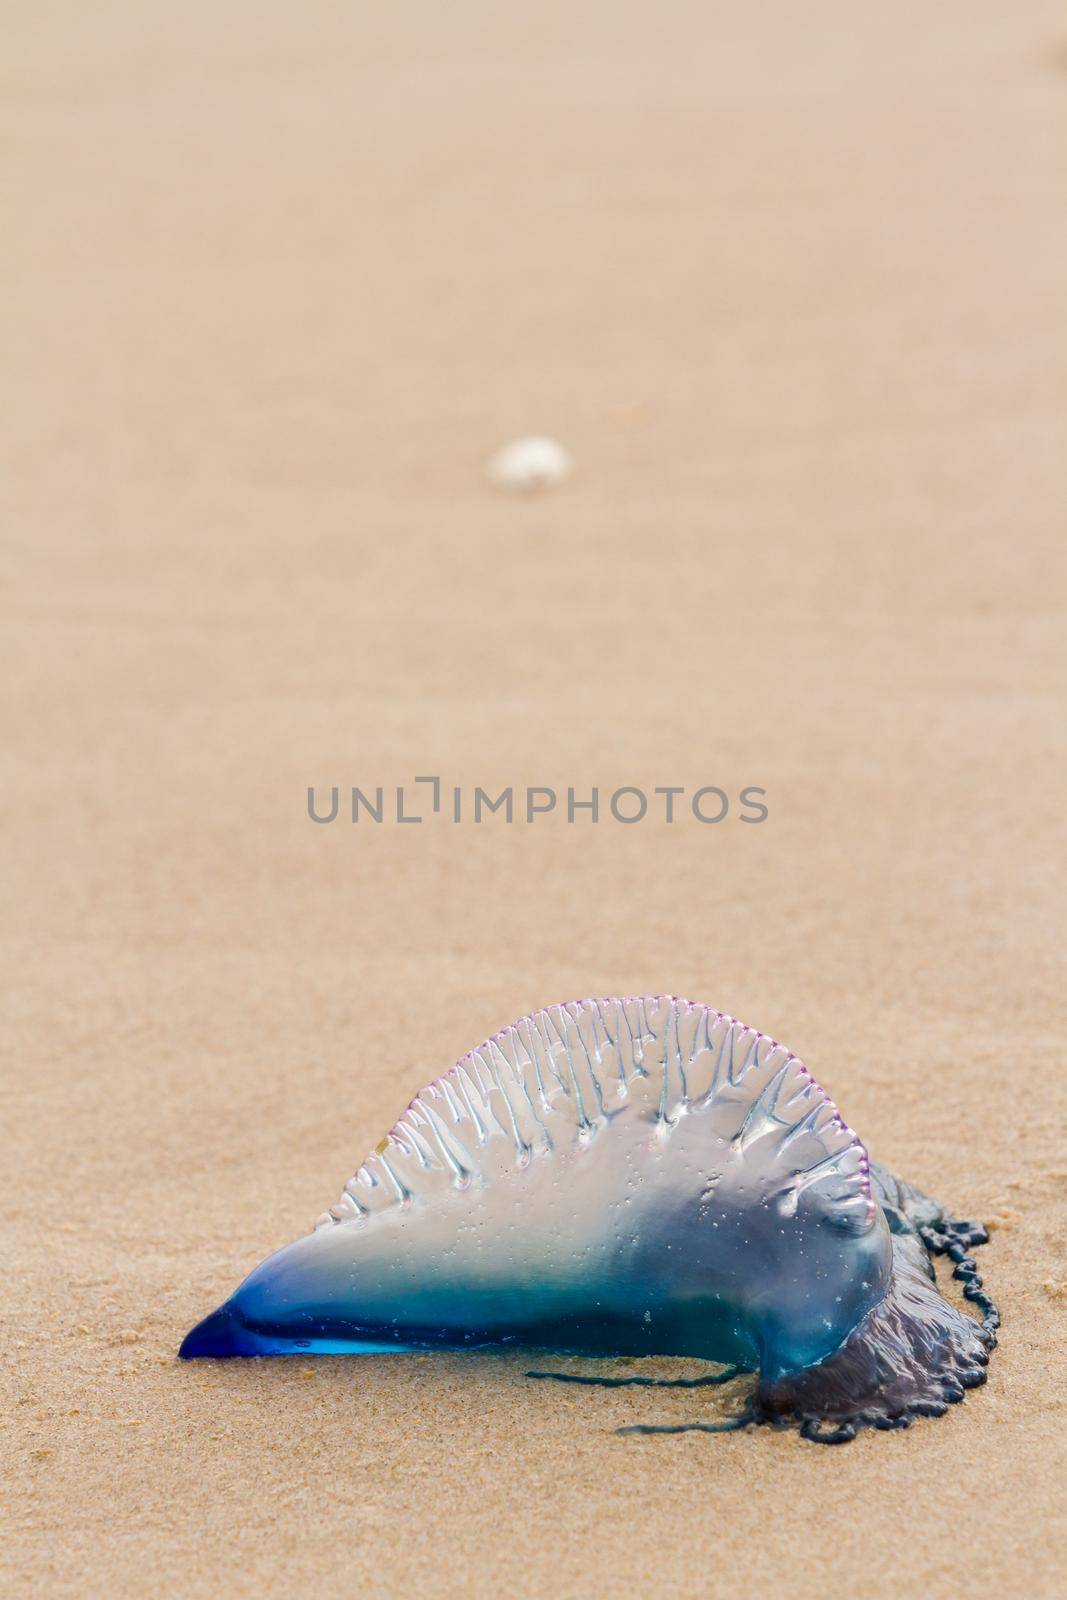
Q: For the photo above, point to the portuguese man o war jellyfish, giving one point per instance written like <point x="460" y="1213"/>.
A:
<point x="636" y="1177"/>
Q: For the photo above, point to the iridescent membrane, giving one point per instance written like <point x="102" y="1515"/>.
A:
<point x="632" y="1177"/>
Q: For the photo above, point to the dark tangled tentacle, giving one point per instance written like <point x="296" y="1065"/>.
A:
<point x="844" y="1433"/>
<point x="639" y="1383"/>
<point x="744" y="1419"/>
<point x="954" y="1239"/>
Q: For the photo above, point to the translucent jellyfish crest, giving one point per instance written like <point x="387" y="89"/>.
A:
<point x="633" y="1177"/>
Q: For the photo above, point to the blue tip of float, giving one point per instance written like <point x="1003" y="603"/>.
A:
<point x="220" y="1334"/>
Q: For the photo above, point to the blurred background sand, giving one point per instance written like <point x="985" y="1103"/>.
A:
<point x="789" y="282"/>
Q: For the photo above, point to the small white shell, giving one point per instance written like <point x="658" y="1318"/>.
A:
<point x="528" y="465"/>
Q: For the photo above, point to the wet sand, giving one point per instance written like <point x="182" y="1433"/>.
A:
<point x="789" y="285"/>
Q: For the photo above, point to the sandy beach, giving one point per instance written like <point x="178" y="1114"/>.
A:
<point x="789" y="285"/>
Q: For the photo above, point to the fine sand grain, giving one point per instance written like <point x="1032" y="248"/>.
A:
<point x="789" y="282"/>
